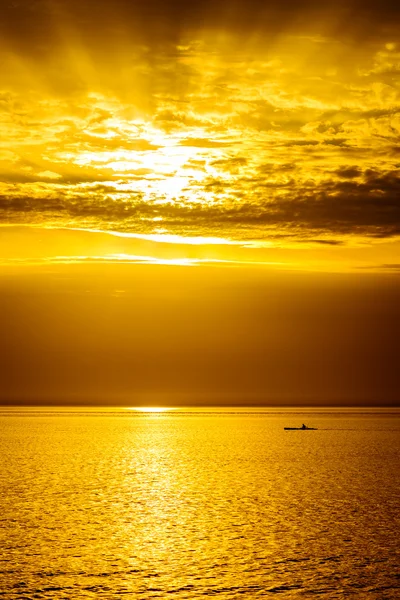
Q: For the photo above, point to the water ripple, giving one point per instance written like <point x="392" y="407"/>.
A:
<point x="99" y="506"/>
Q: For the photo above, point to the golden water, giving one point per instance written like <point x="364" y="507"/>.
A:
<point x="188" y="504"/>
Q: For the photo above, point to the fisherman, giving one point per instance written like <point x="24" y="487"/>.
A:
<point x="303" y="426"/>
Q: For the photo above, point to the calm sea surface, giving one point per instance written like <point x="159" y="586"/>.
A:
<point x="225" y="503"/>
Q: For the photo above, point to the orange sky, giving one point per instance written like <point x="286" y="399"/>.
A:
<point x="239" y="141"/>
<point x="127" y="334"/>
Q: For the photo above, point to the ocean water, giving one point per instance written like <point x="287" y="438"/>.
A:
<point x="192" y="504"/>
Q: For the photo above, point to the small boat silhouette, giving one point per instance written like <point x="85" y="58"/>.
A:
<point x="302" y="428"/>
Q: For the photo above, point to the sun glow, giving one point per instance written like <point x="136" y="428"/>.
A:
<point x="151" y="409"/>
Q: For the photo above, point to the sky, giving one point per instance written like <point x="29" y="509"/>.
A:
<point x="169" y="170"/>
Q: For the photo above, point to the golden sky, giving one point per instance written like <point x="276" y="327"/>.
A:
<point x="265" y="124"/>
<point x="256" y="142"/>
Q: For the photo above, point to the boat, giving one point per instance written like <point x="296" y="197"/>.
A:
<point x="302" y="428"/>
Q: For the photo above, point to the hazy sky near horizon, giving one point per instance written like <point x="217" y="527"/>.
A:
<point x="159" y="334"/>
<point x="200" y="198"/>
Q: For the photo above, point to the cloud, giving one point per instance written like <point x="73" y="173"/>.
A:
<point x="92" y="142"/>
<point x="169" y="120"/>
<point x="232" y="165"/>
<point x="391" y="267"/>
<point x="270" y="168"/>
<point x="394" y="266"/>
<point x="333" y="208"/>
<point x="328" y="242"/>
<point x="349" y="172"/>
<point x="145" y="19"/>
<point x="236" y="119"/>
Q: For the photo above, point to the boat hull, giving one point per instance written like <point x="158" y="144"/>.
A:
<point x="300" y="428"/>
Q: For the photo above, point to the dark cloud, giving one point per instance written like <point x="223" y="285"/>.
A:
<point x="230" y="165"/>
<point x="340" y="142"/>
<point x="371" y="208"/>
<point x="268" y="168"/>
<point x="328" y="242"/>
<point x="290" y="143"/>
<point x="348" y="172"/>
<point x="56" y="179"/>
<point x="382" y="112"/>
<point x="30" y="23"/>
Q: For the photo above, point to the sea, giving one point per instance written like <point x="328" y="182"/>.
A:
<point x="197" y="503"/>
